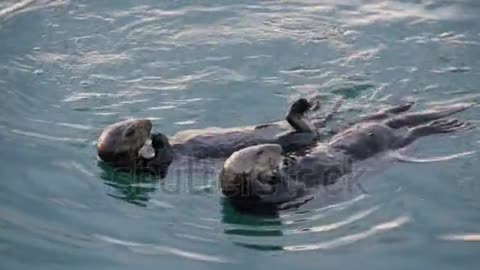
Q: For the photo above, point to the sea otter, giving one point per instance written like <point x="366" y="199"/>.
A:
<point x="261" y="176"/>
<point x="131" y="144"/>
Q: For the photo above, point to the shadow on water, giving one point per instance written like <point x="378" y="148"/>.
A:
<point x="134" y="188"/>
<point x="263" y="223"/>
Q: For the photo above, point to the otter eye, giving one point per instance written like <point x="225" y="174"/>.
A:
<point x="260" y="152"/>
<point x="130" y="132"/>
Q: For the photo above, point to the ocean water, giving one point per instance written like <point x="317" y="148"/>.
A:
<point x="69" y="68"/>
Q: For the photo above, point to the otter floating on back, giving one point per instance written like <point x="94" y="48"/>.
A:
<point x="260" y="176"/>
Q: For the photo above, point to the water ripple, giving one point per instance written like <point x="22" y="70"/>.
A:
<point x="14" y="9"/>
<point x="352" y="238"/>
<point x="151" y="249"/>
<point x="68" y="68"/>
<point x="461" y="237"/>
<point x="48" y="137"/>
<point x="336" y="225"/>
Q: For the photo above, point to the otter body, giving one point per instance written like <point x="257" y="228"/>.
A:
<point x="130" y="143"/>
<point x="222" y="142"/>
<point x="325" y="163"/>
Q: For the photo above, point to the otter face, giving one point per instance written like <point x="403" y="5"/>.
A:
<point x="252" y="171"/>
<point x="254" y="159"/>
<point x="122" y="141"/>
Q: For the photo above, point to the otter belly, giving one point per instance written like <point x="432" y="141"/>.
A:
<point x="364" y="140"/>
<point x="222" y="142"/>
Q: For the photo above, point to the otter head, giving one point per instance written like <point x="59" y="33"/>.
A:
<point x="120" y="143"/>
<point x="252" y="172"/>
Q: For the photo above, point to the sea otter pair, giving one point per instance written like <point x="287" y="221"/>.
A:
<point x="264" y="167"/>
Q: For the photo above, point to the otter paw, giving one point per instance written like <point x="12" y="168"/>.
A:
<point x="449" y="125"/>
<point x="300" y="106"/>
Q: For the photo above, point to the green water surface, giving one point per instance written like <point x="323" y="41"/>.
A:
<point x="70" y="67"/>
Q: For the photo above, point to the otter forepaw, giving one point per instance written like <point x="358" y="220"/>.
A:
<point x="300" y="106"/>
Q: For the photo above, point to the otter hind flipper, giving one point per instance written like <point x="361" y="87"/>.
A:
<point x="439" y="126"/>
<point x="418" y="118"/>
